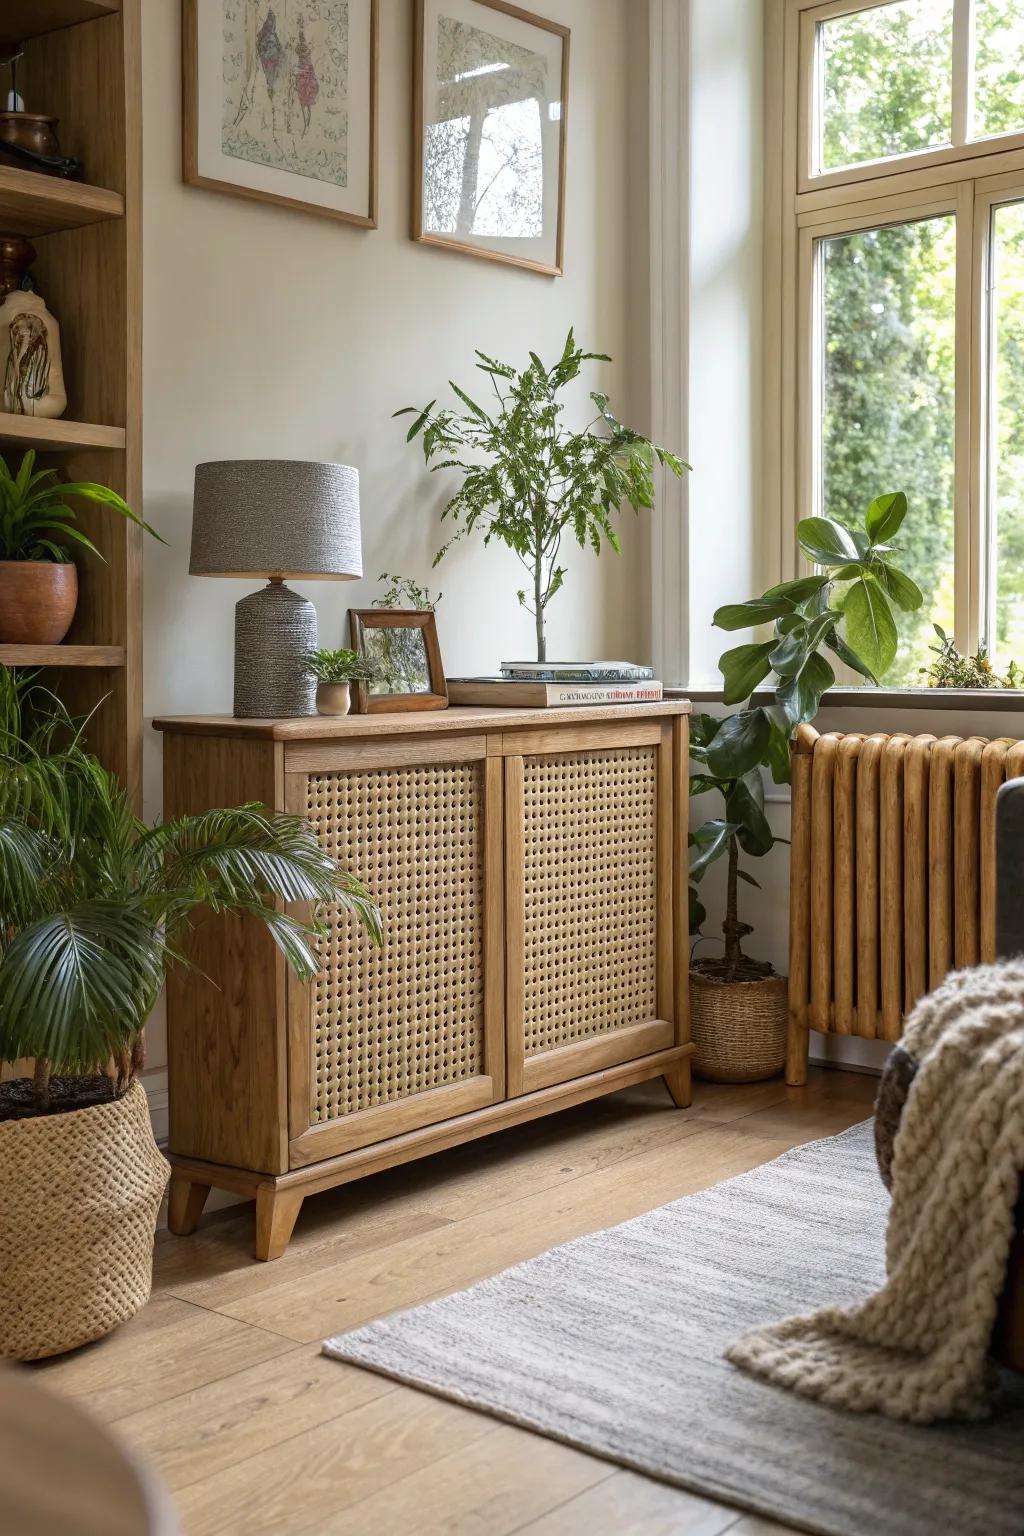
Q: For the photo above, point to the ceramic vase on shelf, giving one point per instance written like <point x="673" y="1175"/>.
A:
<point x="31" y="373"/>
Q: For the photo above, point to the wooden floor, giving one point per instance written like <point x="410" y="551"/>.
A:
<point x="220" y="1383"/>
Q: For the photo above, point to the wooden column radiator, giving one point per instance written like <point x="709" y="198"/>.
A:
<point x="893" y="875"/>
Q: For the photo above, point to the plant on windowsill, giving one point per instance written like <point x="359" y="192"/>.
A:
<point x="93" y="907"/>
<point x="527" y="480"/>
<point x="335" y="671"/>
<point x="738" y="1005"/>
<point x="38" y="579"/>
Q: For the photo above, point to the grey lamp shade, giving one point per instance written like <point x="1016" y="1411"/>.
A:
<point x="276" y="517"/>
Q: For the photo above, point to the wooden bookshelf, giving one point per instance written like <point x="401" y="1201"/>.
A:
<point x="54" y="436"/>
<point x="82" y="65"/>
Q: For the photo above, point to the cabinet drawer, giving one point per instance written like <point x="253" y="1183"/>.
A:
<point x="393" y="1037"/>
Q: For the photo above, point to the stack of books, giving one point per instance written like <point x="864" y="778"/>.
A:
<point x="558" y="684"/>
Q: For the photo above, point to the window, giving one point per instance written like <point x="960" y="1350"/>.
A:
<point x="895" y="292"/>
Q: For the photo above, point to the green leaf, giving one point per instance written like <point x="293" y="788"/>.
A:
<point x="906" y="594"/>
<point x="777" y="751"/>
<point x="870" y="628"/>
<point x="798" y="591"/>
<point x="791" y="652"/>
<point x="742" y="875"/>
<point x="478" y="410"/>
<point x="417" y="425"/>
<point x="838" y="646"/>
<point x="698" y="911"/>
<point x="826" y="541"/>
<point x="711" y="841"/>
<point x="739" y="744"/>
<point x="700" y="784"/>
<point x="885" y="515"/>
<point x="801" y="695"/>
<point x="758" y="611"/>
<point x="745" y="805"/>
<point x="743" y="668"/>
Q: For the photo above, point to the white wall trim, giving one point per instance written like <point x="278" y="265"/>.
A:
<point x="669" y="138"/>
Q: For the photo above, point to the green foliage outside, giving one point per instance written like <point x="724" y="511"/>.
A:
<point x="527" y="479"/>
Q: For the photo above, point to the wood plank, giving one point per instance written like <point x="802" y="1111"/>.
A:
<point x="23" y="19"/>
<point x="625" y="1503"/>
<point x="62" y="655"/>
<point x="413" y="1271"/>
<point x="51" y="436"/>
<point x="455" y="718"/>
<point x="32" y="204"/>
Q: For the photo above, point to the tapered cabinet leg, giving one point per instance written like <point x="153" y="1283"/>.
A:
<point x="276" y="1213"/>
<point x="798" y="1044"/>
<point x="185" y="1201"/>
<point x="677" y="1081"/>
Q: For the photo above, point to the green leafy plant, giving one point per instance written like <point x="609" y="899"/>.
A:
<point x="403" y="592"/>
<point x="94" y="903"/>
<point x="36" y="520"/>
<point x="338" y="666"/>
<point x="951" y="669"/>
<point x="527" y="480"/>
<point x="846" y="607"/>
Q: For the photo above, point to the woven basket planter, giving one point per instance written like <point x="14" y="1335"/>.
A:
<point x="79" y="1195"/>
<point x="738" y="1028"/>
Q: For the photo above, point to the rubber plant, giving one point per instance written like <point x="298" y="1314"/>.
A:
<point x="847" y="606"/>
<point x="527" y="479"/>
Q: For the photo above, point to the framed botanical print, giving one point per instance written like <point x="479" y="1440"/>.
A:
<point x="489" y="122"/>
<point x="279" y="102"/>
<point x="399" y="646"/>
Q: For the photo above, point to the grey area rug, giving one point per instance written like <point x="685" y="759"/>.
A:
<point x="613" y="1344"/>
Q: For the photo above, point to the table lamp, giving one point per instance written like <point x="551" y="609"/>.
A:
<point x="281" y="519"/>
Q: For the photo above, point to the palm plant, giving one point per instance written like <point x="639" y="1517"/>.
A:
<point x="36" y="522"/>
<point x="94" y="903"/>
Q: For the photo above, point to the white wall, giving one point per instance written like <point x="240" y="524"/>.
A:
<point x="270" y="333"/>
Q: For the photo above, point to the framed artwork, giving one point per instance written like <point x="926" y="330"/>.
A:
<point x="401" y="649"/>
<point x="490" y="110"/>
<point x="279" y="102"/>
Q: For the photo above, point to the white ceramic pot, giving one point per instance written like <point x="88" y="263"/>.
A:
<point x="333" y="698"/>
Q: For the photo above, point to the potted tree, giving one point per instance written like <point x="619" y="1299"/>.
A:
<point x="530" y="482"/>
<point x="738" y="1005"/>
<point x="92" y="907"/>
<point x="38" y="579"/>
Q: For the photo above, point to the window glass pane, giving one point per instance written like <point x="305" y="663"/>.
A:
<point x="1006" y="437"/>
<point x="885" y="83"/>
<point x="998" y="67"/>
<point x="887" y="403"/>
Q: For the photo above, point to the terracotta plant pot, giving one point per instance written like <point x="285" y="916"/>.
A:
<point x="37" y="601"/>
<point x="738" y="1027"/>
<point x="333" y="698"/>
<point x="79" y="1195"/>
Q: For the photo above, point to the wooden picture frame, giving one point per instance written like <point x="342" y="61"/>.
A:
<point x="207" y="159"/>
<point x="544" y="253"/>
<point x="362" y="620"/>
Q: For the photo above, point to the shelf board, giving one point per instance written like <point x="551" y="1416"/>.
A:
<point x="23" y="19"/>
<point x="62" y="655"/>
<point x="50" y="436"/>
<point x="33" y="204"/>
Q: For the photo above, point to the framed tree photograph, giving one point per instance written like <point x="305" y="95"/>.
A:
<point x="399" y="646"/>
<point x="279" y="102"/>
<point x="490" y="110"/>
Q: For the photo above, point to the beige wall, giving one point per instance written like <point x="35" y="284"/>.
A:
<point x="276" y="334"/>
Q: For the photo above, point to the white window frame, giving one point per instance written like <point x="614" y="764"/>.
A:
<point x="967" y="179"/>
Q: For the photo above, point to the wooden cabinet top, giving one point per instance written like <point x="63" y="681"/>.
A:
<point x="411" y="723"/>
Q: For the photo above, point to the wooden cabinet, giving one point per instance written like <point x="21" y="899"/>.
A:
<point x="530" y="868"/>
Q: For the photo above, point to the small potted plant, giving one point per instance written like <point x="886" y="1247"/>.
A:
<point x="92" y="907"/>
<point x="38" y="580"/>
<point x="527" y="480"/>
<point x="335" y="671"/>
<point x="738" y="1006"/>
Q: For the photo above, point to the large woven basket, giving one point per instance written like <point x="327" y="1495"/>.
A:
<point x="79" y="1195"/>
<point x="738" y="1028"/>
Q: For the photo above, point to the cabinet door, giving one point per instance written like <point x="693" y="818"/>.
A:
<point x="393" y="1037"/>
<point x="588" y="849"/>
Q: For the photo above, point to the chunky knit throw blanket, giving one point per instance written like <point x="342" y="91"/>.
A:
<point x="918" y="1350"/>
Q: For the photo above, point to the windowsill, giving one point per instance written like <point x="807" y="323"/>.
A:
<point x="1001" y="700"/>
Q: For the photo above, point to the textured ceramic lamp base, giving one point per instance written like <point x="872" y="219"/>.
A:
<point x="275" y="629"/>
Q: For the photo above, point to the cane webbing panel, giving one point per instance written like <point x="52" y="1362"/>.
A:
<point x="590" y="849"/>
<point x="407" y="1016"/>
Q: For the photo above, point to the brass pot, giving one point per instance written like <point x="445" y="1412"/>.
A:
<point x="37" y="601"/>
